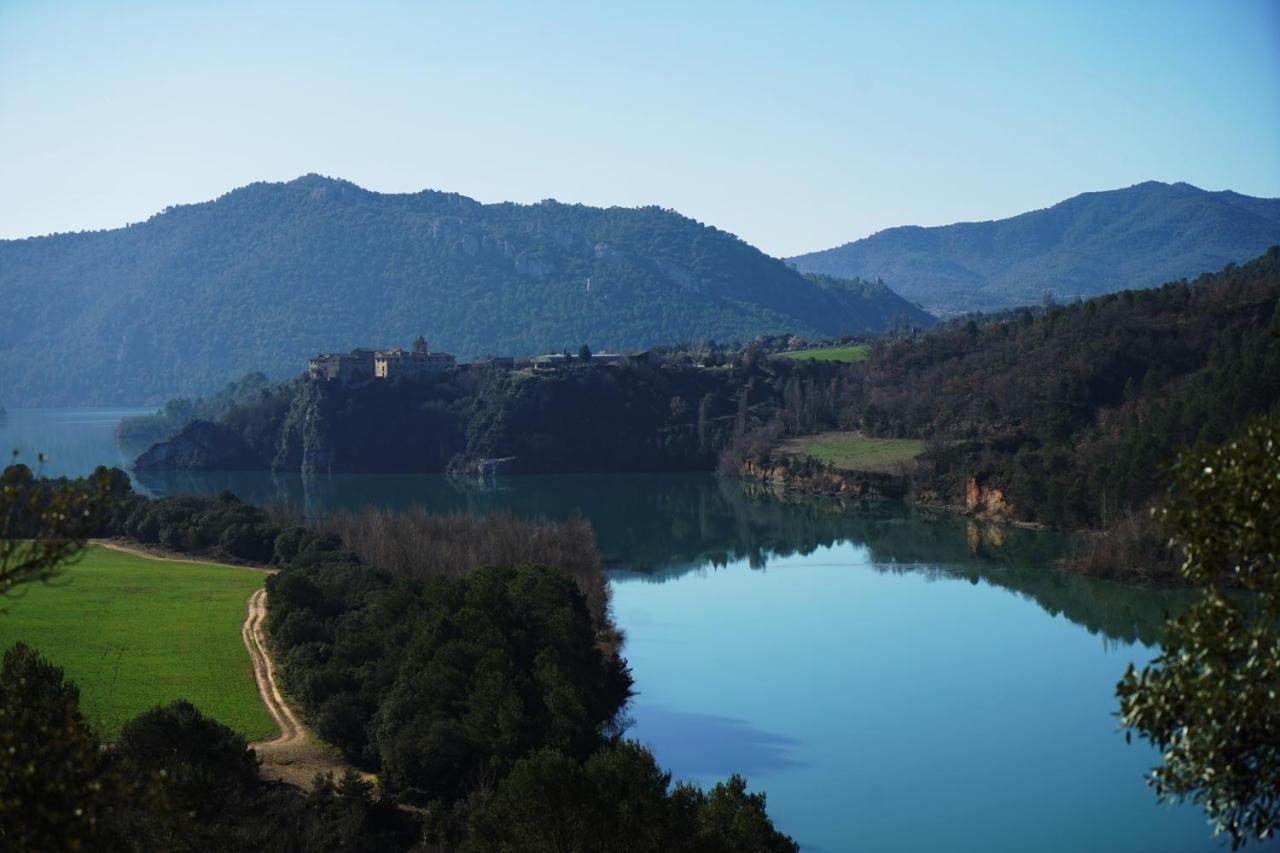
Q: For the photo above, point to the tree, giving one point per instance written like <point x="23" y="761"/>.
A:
<point x="584" y="354"/>
<point x="731" y="820"/>
<point x="58" y="789"/>
<point x="44" y="524"/>
<point x="1209" y="701"/>
<point x="618" y="801"/>
<point x="347" y="815"/>
<point x="205" y="764"/>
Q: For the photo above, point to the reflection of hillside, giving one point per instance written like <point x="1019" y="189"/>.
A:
<point x="662" y="526"/>
<point x="738" y="526"/>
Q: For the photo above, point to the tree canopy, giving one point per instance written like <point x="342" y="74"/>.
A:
<point x="1209" y="701"/>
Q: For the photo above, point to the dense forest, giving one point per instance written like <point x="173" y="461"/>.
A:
<point x="1088" y="245"/>
<point x="1072" y="412"/>
<point x="141" y="431"/>
<point x="269" y="274"/>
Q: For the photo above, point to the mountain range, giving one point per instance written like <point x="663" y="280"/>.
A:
<point x="270" y="273"/>
<point x="1095" y="243"/>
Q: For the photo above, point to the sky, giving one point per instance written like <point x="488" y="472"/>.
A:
<point x="797" y="126"/>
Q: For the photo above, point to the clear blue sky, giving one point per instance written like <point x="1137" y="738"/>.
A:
<point x="797" y="126"/>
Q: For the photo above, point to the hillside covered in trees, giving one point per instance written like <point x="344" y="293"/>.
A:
<point x="1092" y="244"/>
<point x="1074" y="412"/>
<point x="269" y="274"/>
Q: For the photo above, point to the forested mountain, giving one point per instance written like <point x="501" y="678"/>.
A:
<point x="271" y="273"/>
<point x="1088" y="245"/>
<point x="1069" y="416"/>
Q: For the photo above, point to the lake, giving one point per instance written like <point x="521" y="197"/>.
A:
<point x="893" y="679"/>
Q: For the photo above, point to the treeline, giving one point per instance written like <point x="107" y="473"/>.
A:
<point x="412" y="544"/>
<point x="145" y="430"/>
<point x="418" y="544"/>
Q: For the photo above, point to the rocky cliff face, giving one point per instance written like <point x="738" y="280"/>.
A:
<point x="981" y="502"/>
<point x="986" y="502"/>
<point x="827" y="481"/>
<point x="303" y="444"/>
<point x="201" y="446"/>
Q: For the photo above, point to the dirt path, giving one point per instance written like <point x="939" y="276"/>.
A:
<point x="294" y="755"/>
<point x="169" y="557"/>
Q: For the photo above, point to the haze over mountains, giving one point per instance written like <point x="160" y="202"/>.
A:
<point x="273" y="272"/>
<point x="1094" y="243"/>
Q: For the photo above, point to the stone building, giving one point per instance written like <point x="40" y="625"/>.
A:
<point x="414" y="364"/>
<point x="361" y="365"/>
<point x="344" y="367"/>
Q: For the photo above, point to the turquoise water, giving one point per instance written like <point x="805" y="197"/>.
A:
<point x="73" y="441"/>
<point x="894" y="680"/>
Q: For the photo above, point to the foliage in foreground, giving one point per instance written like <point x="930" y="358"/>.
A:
<point x="177" y="780"/>
<point x="1210" y="700"/>
<point x="618" y="801"/>
<point x="44" y="524"/>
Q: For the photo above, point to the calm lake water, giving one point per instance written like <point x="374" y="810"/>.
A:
<point x="894" y="680"/>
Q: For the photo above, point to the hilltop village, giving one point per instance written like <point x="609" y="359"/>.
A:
<point x="365" y="364"/>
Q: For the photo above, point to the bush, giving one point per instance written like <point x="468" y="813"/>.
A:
<point x="206" y="766"/>
<point x="618" y="801"/>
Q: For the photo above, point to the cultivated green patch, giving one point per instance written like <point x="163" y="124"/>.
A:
<point x="852" y="451"/>
<point x="858" y="352"/>
<point x="134" y="633"/>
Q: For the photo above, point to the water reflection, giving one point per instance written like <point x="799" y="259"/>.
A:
<point x="656" y="527"/>
<point x="709" y="745"/>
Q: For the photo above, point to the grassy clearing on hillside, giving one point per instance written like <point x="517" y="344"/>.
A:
<point x="853" y="451"/>
<point x="853" y="353"/>
<point x="134" y="633"/>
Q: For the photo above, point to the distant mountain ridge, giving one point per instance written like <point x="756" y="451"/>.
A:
<point x="1095" y="243"/>
<point x="267" y="274"/>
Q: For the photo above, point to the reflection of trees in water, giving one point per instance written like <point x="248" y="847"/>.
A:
<point x="662" y="526"/>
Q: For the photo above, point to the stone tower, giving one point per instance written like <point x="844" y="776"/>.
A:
<point x="420" y="345"/>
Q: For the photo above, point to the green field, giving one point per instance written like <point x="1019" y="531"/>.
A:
<point x="853" y="451"/>
<point x="134" y="633"/>
<point x="853" y="353"/>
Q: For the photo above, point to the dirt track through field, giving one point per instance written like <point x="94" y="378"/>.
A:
<point x="133" y="550"/>
<point x="293" y="755"/>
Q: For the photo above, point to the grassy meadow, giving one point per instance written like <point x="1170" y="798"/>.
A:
<point x="853" y="451"/>
<point x="857" y="352"/>
<point x="134" y="632"/>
